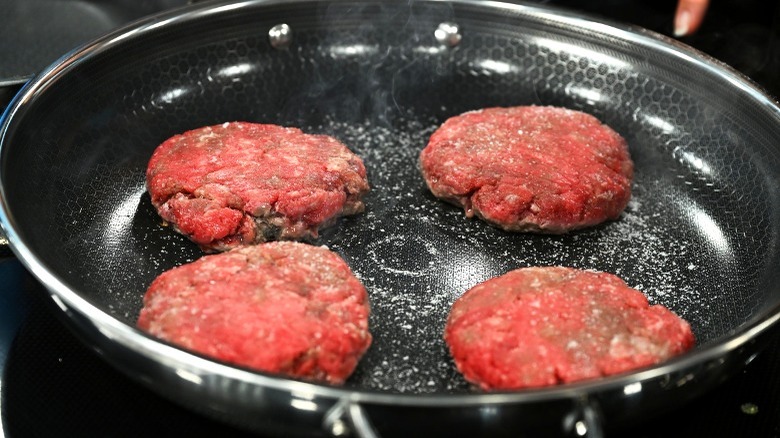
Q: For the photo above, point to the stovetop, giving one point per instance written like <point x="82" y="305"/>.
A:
<point x="53" y="385"/>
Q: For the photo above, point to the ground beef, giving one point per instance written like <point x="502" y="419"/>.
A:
<point x="281" y="307"/>
<point x="543" y="326"/>
<point x="530" y="168"/>
<point x="244" y="183"/>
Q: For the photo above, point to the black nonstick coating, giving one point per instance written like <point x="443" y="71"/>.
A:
<point x="700" y="234"/>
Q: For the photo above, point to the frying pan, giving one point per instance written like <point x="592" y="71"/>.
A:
<point x="36" y="32"/>
<point x="700" y="235"/>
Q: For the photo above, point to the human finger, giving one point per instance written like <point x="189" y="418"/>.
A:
<point x="689" y="16"/>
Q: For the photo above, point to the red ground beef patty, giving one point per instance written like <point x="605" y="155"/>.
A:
<point x="245" y="183"/>
<point x="536" y="327"/>
<point x="530" y="168"/>
<point x="281" y="307"/>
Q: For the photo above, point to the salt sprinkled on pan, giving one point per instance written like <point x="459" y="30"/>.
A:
<point x="416" y="255"/>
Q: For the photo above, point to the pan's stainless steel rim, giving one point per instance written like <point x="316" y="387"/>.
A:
<point x="196" y="368"/>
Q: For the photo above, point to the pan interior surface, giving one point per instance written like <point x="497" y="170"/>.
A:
<point x="700" y="234"/>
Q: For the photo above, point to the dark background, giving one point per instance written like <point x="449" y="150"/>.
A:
<point x="52" y="385"/>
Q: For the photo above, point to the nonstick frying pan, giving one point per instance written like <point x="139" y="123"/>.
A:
<point x="699" y="236"/>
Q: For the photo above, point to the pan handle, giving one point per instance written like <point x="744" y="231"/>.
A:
<point x="585" y="420"/>
<point x="348" y="418"/>
<point x="8" y="89"/>
<point x="5" y="248"/>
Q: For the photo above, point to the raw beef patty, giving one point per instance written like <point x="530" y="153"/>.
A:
<point x="244" y="183"/>
<point x="536" y="327"/>
<point x="530" y="168"/>
<point x="281" y="307"/>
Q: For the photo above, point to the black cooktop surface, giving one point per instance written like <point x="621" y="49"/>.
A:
<point x="53" y="385"/>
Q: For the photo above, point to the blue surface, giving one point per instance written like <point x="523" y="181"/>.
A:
<point x="14" y="303"/>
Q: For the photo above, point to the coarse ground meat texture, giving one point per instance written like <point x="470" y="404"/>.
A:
<point x="282" y="307"/>
<point x="542" y="326"/>
<point x="243" y="183"/>
<point x="530" y="168"/>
